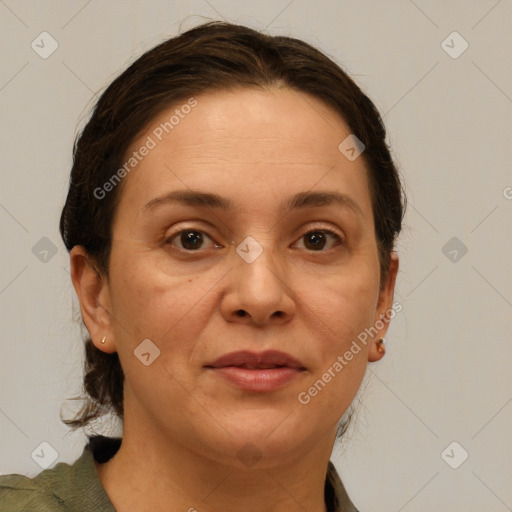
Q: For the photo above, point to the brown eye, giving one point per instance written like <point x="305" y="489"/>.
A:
<point x="318" y="239"/>
<point x="189" y="239"/>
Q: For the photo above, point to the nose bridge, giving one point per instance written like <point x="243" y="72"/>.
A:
<point x="258" y="263"/>
<point x="260" y="288"/>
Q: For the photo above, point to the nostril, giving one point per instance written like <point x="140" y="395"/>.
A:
<point x="241" y="313"/>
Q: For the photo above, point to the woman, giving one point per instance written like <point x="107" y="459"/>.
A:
<point x="231" y="220"/>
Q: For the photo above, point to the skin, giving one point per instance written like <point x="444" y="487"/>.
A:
<point x="183" y="426"/>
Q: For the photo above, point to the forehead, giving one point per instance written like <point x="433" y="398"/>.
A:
<point x="252" y="143"/>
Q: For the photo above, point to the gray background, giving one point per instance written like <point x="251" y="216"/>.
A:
<point x="446" y="376"/>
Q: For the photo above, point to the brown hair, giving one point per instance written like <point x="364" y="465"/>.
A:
<point x="212" y="56"/>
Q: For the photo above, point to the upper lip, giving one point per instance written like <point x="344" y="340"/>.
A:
<point x="267" y="359"/>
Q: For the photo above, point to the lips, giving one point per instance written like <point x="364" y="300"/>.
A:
<point x="254" y="361"/>
<point x="250" y="371"/>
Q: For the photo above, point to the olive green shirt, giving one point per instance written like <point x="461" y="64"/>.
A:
<point x="77" y="487"/>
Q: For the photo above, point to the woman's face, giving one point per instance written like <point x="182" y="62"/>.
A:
<point x="269" y="246"/>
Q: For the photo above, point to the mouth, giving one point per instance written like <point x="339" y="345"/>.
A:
<point x="258" y="366"/>
<point x="250" y="371"/>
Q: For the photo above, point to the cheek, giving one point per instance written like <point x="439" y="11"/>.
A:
<point x="344" y="303"/>
<point x="340" y="308"/>
<point x="170" y="310"/>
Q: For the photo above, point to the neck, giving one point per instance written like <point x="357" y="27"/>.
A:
<point x="151" y="472"/>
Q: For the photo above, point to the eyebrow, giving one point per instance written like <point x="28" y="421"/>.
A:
<point x="298" y="201"/>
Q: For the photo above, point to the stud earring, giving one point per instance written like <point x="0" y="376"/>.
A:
<point x="103" y="340"/>
<point x="381" y="348"/>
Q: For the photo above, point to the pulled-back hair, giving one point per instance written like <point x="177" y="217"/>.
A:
<point x="212" y="56"/>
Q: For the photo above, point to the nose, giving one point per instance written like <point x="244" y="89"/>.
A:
<point x="258" y="292"/>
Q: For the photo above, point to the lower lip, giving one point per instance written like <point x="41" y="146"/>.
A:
<point x="257" y="380"/>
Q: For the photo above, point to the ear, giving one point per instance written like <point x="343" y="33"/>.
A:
<point x="93" y="293"/>
<point x="384" y="307"/>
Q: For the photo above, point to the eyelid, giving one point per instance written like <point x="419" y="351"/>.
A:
<point x="323" y="227"/>
<point x="340" y="239"/>
<point x="326" y="229"/>
<point x="190" y="224"/>
<point x="168" y="239"/>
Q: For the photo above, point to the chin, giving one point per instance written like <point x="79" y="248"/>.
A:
<point x="268" y="437"/>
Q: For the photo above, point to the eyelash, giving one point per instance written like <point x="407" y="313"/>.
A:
<point x="168" y="240"/>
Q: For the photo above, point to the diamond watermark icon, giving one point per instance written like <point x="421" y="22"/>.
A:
<point x="249" y="249"/>
<point x="44" y="45"/>
<point x="44" y="250"/>
<point x="454" y="455"/>
<point x="44" y="455"/>
<point x="454" y="45"/>
<point x="146" y="352"/>
<point x="249" y="455"/>
<point x="351" y="147"/>
<point x="454" y="249"/>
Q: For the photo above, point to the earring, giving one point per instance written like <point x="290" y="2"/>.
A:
<point x="381" y="348"/>
<point x="103" y="340"/>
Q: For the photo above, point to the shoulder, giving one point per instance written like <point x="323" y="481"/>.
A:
<point x="18" y="493"/>
<point x="336" y="497"/>
<point x="64" y="487"/>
